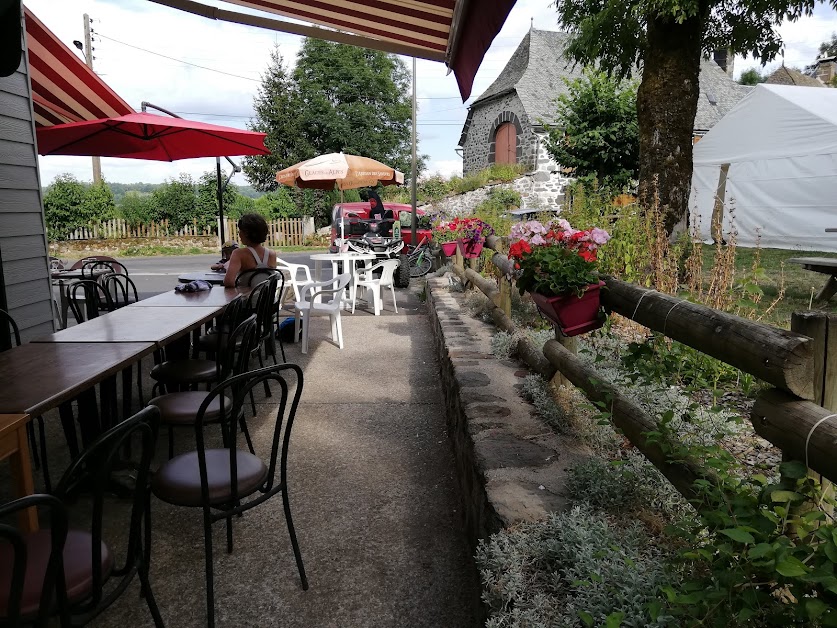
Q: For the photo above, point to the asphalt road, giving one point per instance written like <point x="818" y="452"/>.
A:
<point x="153" y="275"/>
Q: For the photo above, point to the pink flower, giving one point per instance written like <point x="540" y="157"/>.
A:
<point x="537" y="239"/>
<point x="599" y="236"/>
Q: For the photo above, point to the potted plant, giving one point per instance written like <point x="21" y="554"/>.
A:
<point x="472" y="235"/>
<point x="556" y="264"/>
<point x="446" y="233"/>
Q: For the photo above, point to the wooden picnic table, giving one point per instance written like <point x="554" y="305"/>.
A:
<point x="824" y="265"/>
<point x="14" y="446"/>
<point x="217" y="297"/>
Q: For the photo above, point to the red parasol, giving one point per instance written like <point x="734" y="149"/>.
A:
<point x="148" y="136"/>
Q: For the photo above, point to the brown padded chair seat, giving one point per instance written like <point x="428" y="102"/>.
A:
<point x="78" y="569"/>
<point x="185" y="371"/>
<point x="178" y="481"/>
<point x="182" y="407"/>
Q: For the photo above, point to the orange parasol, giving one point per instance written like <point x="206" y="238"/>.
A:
<point x="345" y="172"/>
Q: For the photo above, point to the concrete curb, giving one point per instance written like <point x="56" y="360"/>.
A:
<point x="510" y="465"/>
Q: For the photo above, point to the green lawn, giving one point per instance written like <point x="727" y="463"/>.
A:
<point x="798" y="282"/>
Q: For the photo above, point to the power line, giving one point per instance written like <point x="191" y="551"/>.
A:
<point x="202" y="67"/>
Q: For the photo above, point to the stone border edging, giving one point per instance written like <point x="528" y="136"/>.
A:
<point x="510" y="466"/>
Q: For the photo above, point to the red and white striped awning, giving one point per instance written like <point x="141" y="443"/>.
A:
<point x="64" y="89"/>
<point x="457" y="32"/>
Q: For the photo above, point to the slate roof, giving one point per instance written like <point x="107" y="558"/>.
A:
<point x="716" y="85"/>
<point x="537" y="69"/>
<point x="789" y="76"/>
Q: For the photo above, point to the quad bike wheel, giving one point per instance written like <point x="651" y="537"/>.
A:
<point x="402" y="274"/>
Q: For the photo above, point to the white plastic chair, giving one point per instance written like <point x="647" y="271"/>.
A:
<point x="293" y="277"/>
<point x="366" y="280"/>
<point x="331" y="294"/>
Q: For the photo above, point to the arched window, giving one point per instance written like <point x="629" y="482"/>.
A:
<point x="505" y="144"/>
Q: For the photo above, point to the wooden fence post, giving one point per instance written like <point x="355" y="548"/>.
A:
<point x="505" y="295"/>
<point x="822" y="328"/>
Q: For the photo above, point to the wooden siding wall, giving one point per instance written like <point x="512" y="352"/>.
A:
<point x="22" y="240"/>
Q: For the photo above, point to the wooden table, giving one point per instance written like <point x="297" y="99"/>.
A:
<point x="136" y="324"/>
<point x="38" y="377"/>
<point x="15" y="446"/>
<point x="212" y="277"/>
<point x="824" y="265"/>
<point x="217" y="297"/>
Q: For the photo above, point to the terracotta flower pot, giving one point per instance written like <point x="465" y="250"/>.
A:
<point x="469" y="248"/>
<point x="449" y="248"/>
<point x="574" y="315"/>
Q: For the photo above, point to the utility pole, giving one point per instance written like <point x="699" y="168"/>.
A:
<point x="88" y="57"/>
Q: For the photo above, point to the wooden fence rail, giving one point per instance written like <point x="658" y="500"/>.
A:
<point x="281" y="232"/>
<point x="797" y="364"/>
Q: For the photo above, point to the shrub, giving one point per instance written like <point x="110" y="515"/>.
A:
<point x="504" y="172"/>
<point x="574" y="569"/>
<point x="137" y="208"/>
<point x="433" y="188"/>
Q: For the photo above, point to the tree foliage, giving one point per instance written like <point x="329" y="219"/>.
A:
<point x="137" y="208"/>
<point x="751" y="76"/>
<point x="666" y="39"/>
<point x="70" y="204"/>
<point x="175" y="201"/>
<point x="596" y="130"/>
<point x="338" y="98"/>
<point x="356" y="100"/>
<point x="278" y="113"/>
<point x="206" y="203"/>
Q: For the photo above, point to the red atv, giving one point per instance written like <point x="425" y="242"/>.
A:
<point x="375" y="235"/>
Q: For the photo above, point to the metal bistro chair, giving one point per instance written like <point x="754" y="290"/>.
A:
<point x="92" y="301"/>
<point x="121" y="289"/>
<point x="30" y="565"/>
<point x="180" y="409"/>
<point x="93" y="576"/>
<point x="227" y="482"/>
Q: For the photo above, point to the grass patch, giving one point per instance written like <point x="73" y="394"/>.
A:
<point x="799" y="283"/>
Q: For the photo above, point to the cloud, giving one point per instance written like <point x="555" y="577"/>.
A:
<point x="445" y="167"/>
<point x="123" y="27"/>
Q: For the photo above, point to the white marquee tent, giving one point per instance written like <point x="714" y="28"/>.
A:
<point x="773" y="160"/>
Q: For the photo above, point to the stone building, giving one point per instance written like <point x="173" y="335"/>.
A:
<point x="506" y="123"/>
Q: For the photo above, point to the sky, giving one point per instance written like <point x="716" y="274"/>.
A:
<point x="210" y="71"/>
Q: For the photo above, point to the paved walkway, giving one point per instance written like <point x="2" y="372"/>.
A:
<point x="372" y="493"/>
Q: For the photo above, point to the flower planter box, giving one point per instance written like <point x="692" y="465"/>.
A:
<point x="449" y="248"/>
<point x="470" y="249"/>
<point x="574" y="315"/>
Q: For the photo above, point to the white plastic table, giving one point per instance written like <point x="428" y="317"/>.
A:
<point x="348" y="258"/>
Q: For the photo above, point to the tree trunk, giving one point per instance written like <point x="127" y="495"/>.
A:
<point x="666" y="105"/>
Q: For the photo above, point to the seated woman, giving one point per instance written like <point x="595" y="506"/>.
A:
<point x="252" y="232"/>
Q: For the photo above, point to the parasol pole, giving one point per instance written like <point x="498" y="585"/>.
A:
<point x="413" y="177"/>
<point x="342" y="221"/>
<point x="220" y="193"/>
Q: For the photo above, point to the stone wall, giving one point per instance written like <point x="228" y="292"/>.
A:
<point x="540" y="190"/>
<point x="509" y="465"/>
<point x="477" y="151"/>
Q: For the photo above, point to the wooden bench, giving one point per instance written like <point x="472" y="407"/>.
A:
<point x="824" y="265"/>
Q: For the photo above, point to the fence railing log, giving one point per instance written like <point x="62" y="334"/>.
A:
<point x="526" y="350"/>
<point x="787" y="421"/>
<point x="779" y="357"/>
<point x="630" y="418"/>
